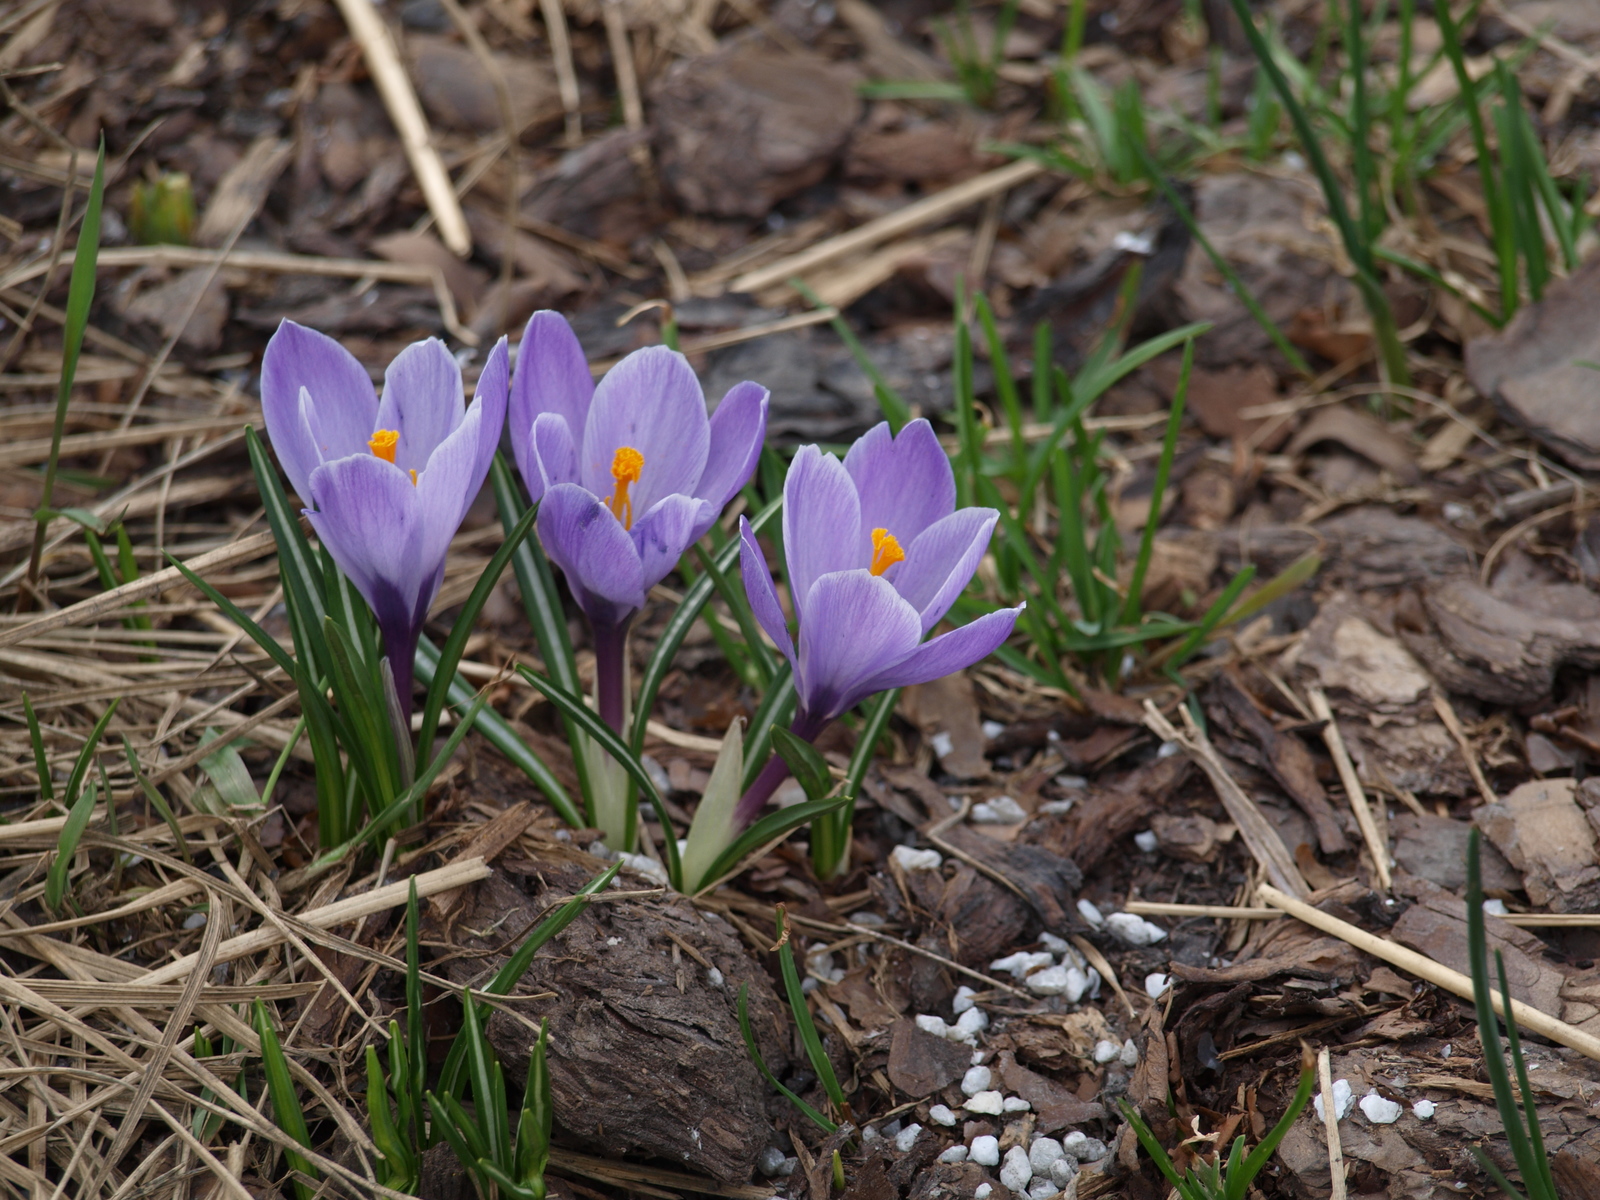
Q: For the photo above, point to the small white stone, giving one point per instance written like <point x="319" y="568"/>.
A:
<point x="929" y="1023"/>
<point x="1042" y="1189"/>
<point x="1136" y="931"/>
<point x="1090" y="913"/>
<point x="955" y="1154"/>
<point x="195" y="921"/>
<point x="971" y="1023"/>
<point x="1495" y="908"/>
<point x="1054" y="944"/>
<point x="1015" y="1173"/>
<point x="1146" y="840"/>
<point x="1444" y="1051"/>
<point x="1002" y="810"/>
<point x="1156" y="984"/>
<point x="1056" y="808"/>
<point x="979" y="1057"/>
<point x="977" y="1079"/>
<point x="1073" y="1143"/>
<point x="1044" y="1152"/>
<point x="1423" y="1110"/>
<point x="1378" y="1110"/>
<point x="1092" y="1150"/>
<point x="1052" y="981"/>
<point x="1070" y="782"/>
<point x="909" y="859"/>
<point x="988" y="1104"/>
<point x="1130" y="1054"/>
<point x="907" y="1138"/>
<point x="869" y="1133"/>
<point x="986" y="1150"/>
<point x="1343" y="1101"/>
<point x="646" y="866"/>
<point x="992" y="729"/>
<point x="771" y="1161"/>
<point x="1014" y="1104"/>
<point x="1062" y="1170"/>
<point x="964" y="999"/>
<point x="1168" y="749"/>
<point x="1023" y="961"/>
<point x="940" y="1114"/>
<point x="1094" y="982"/>
<point x="981" y="1192"/>
<point x="941" y="743"/>
<point x="1105" y="1050"/>
<point x="714" y="977"/>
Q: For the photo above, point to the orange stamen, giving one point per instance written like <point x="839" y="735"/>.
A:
<point x="625" y="469"/>
<point x="413" y="477"/>
<point x="885" y="551"/>
<point x="383" y="443"/>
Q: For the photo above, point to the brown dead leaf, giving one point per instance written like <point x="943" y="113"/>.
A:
<point x="1359" y="432"/>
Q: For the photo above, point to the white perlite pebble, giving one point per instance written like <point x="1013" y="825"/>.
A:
<point x="940" y="1114"/>
<point x="942" y="743"/>
<point x="977" y="1079"/>
<point x="1147" y="841"/>
<point x="1056" y="808"/>
<point x="1423" y="1110"/>
<point x="1343" y="1101"/>
<point x="992" y="729"/>
<point x="1378" y="1110"/>
<point x="908" y="859"/>
<point x="964" y="999"/>
<point x="929" y="1023"/>
<point x="1495" y="908"/>
<point x="1015" y="1173"/>
<point x="971" y="1023"/>
<point x="1054" y="944"/>
<point x="1105" y="1050"/>
<point x="1062" y="1170"/>
<point x="955" y="1154"/>
<point x="1052" y="981"/>
<point x="1042" y="1189"/>
<point x="1044" y="1152"/>
<point x="1023" y="961"/>
<point x="714" y="977"/>
<point x="1156" y="984"/>
<point x="1083" y="1147"/>
<point x="1002" y="810"/>
<point x="986" y="1150"/>
<point x="771" y="1161"/>
<point x="1134" y="930"/>
<point x="1130" y="1054"/>
<point x="907" y="1138"/>
<point x="1090" y="913"/>
<point x="1015" y="1104"/>
<point x="981" y="1192"/>
<point x="646" y="866"/>
<point x="989" y="1104"/>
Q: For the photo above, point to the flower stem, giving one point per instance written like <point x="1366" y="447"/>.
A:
<point x="775" y="772"/>
<point x="611" y="674"/>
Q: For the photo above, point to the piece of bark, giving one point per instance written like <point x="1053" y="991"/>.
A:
<point x="741" y="129"/>
<point x="243" y="189"/>
<point x="1348" y="655"/>
<point x="1536" y="368"/>
<point x="1105" y="815"/>
<point x="466" y="282"/>
<point x="946" y="711"/>
<point x="1421" y="757"/>
<point x="1543" y="833"/>
<point x="645" y="1054"/>
<point x="168" y="307"/>
<point x="1506" y="649"/>
<point x="1047" y="879"/>
<point x="920" y="1063"/>
<point x="1287" y="760"/>
<point x="1054" y="1106"/>
<point x="1362" y="433"/>
<point x="985" y="919"/>
<point x="1435" y="848"/>
<point x="1577" y="1178"/>
<point x="456" y="89"/>
<point x="1324" y="959"/>
<point x="1190" y="837"/>
<point x="1436" y="925"/>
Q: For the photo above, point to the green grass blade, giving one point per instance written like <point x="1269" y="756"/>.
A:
<point x="739" y="605"/>
<point x="156" y="799"/>
<point x="805" y="763"/>
<point x="286" y="1109"/>
<point x="775" y="710"/>
<point x="769" y="828"/>
<point x="85" y="756"/>
<point x="456" y="644"/>
<point x="297" y="566"/>
<point x="1263" y="1152"/>
<point x="810" y="1113"/>
<point x="818" y="1057"/>
<point x="1005" y="385"/>
<point x="1133" y="604"/>
<point x="416" y="1043"/>
<point x="41" y="760"/>
<point x="830" y="833"/>
<point x="55" y="885"/>
<point x="1540" y="1183"/>
<point x="399" y="1163"/>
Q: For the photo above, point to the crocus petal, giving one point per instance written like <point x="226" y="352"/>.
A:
<point x="652" y="402"/>
<point x="737" y="429"/>
<point x="820" y="513"/>
<point x="449" y="484"/>
<point x="370" y="518"/>
<point x="761" y="592"/>
<point x="939" y="564"/>
<point x="422" y="401"/>
<point x="552" y="376"/>
<point x="341" y="392"/>
<point x="593" y="551"/>
<point x="947" y="653"/>
<point x="856" y="626"/>
<point x="665" y="532"/>
<point x="491" y="394"/>
<point x="905" y="482"/>
<point x="555" y="458"/>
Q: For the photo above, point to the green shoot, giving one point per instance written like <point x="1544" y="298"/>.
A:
<point x="286" y="1109"/>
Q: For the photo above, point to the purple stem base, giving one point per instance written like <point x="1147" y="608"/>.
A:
<point x="774" y="773"/>
<point x="611" y="674"/>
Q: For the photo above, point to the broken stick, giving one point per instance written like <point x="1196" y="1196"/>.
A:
<point x="1334" y="740"/>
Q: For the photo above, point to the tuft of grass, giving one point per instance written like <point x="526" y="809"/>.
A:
<point x="78" y="797"/>
<point x="286" y="1110"/>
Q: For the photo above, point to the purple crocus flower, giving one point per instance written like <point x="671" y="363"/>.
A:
<point x="628" y="474"/>
<point x="877" y="553"/>
<point x="386" y="483"/>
